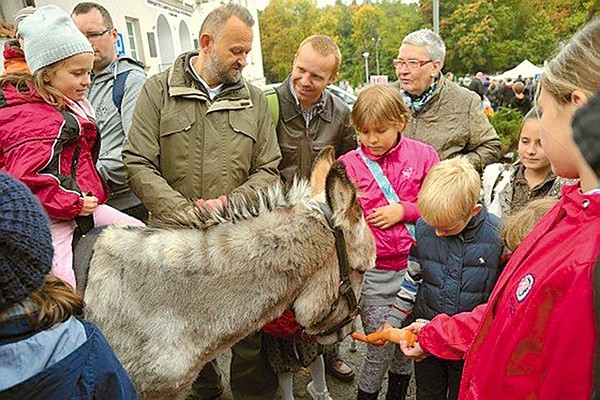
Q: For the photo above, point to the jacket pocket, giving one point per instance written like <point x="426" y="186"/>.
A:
<point x="242" y="147"/>
<point x="244" y="123"/>
<point x="290" y="161"/>
<point x="176" y="143"/>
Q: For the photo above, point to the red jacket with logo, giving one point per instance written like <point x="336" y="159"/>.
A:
<point x="52" y="151"/>
<point x="535" y="338"/>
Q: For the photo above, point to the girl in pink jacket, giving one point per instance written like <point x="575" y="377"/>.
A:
<point x="48" y="137"/>
<point x="536" y="336"/>
<point x="388" y="170"/>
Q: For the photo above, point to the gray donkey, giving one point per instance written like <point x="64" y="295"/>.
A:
<point x="170" y="299"/>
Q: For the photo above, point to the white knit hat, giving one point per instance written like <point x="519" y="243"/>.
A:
<point x="51" y="36"/>
<point x="21" y="15"/>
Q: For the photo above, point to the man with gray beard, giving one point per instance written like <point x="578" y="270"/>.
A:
<point x="199" y="134"/>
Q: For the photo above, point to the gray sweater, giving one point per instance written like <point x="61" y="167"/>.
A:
<point x="381" y="286"/>
<point x="114" y="126"/>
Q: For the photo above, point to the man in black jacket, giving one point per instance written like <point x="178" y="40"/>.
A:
<point x="311" y="118"/>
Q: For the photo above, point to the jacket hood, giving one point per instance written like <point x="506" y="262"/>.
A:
<point x="10" y="96"/>
<point x="12" y="51"/>
<point x="118" y="66"/>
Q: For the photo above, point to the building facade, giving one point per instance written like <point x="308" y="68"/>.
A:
<point x="156" y="31"/>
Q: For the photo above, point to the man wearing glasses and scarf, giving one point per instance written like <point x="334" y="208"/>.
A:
<point x="444" y="115"/>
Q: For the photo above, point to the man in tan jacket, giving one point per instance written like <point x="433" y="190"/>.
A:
<point x="200" y="133"/>
<point x="444" y="115"/>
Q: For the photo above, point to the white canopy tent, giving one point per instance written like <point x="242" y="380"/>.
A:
<point x="526" y="69"/>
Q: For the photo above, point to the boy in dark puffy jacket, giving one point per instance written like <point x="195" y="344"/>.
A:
<point x="454" y="267"/>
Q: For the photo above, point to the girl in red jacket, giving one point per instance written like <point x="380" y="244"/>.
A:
<point x="48" y="138"/>
<point x="520" y="345"/>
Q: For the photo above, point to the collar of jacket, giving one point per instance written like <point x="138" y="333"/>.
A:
<point x="390" y="153"/>
<point x="470" y="232"/>
<point x="181" y="83"/>
<point x="120" y="64"/>
<point x="519" y="173"/>
<point x="442" y="85"/>
<point x="290" y="110"/>
<point x="574" y="201"/>
<point x="19" y="322"/>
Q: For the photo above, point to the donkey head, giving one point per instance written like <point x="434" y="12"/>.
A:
<point x="331" y="185"/>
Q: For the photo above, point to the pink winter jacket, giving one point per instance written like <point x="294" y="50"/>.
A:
<point x="52" y="151"/>
<point x="405" y="166"/>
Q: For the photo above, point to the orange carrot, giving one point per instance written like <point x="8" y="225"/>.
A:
<point x="387" y="334"/>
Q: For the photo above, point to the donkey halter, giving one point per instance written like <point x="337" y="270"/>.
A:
<point x="345" y="289"/>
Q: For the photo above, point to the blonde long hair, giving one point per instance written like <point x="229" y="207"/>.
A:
<point x="576" y="66"/>
<point x="39" y="80"/>
<point x="380" y="104"/>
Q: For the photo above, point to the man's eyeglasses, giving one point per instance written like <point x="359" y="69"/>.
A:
<point x="96" y="35"/>
<point x="410" y="64"/>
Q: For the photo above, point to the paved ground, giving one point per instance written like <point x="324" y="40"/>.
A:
<point x="338" y="390"/>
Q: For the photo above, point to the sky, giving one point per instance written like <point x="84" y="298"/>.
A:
<point x="261" y="4"/>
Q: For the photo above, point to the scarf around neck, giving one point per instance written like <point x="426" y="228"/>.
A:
<point x="417" y="103"/>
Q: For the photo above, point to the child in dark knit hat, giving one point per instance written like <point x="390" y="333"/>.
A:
<point x="46" y="351"/>
<point x="48" y="136"/>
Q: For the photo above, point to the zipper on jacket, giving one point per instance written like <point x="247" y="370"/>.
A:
<point x="75" y="161"/>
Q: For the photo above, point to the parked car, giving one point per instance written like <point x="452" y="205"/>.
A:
<point x="346" y="97"/>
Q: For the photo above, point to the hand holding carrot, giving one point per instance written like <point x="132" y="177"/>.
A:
<point x="387" y="334"/>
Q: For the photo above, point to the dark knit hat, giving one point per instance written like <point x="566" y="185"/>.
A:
<point x="25" y="242"/>
<point x="586" y="132"/>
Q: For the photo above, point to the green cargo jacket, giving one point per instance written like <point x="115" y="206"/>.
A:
<point x="182" y="146"/>
<point x="454" y="124"/>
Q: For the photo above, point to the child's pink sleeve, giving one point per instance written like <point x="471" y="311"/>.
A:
<point x="27" y="163"/>
<point x="411" y="212"/>
<point x="450" y="337"/>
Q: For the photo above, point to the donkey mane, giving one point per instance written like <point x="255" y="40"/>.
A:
<point x="170" y="300"/>
<point x="243" y="206"/>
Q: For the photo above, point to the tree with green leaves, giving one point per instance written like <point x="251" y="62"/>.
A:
<point x="486" y="35"/>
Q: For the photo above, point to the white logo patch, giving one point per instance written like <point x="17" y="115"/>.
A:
<point x="524" y="287"/>
<point x="407" y="172"/>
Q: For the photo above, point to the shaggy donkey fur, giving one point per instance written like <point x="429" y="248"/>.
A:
<point x="170" y="299"/>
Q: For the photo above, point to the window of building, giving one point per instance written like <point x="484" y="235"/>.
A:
<point x="134" y="39"/>
<point x="152" y="44"/>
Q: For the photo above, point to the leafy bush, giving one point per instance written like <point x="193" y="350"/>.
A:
<point x="507" y="123"/>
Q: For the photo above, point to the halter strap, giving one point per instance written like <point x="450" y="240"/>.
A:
<point x="345" y="288"/>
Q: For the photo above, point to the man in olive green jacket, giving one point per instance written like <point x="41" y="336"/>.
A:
<point x="200" y="133"/>
<point x="185" y="146"/>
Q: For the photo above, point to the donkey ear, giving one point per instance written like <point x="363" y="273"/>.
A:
<point x="341" y="193"/>
<point x="321" y="167"/>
